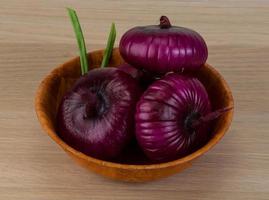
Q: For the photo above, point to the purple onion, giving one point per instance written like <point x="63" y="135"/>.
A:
<point x="96" y="116"/>
<point x="169" y="117"/>
<point x="163" y="48"/>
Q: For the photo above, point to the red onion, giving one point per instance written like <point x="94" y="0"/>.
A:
<point x="163" y="48"/>
<point x="96" y="116"/>
<point x="172" y="117"/>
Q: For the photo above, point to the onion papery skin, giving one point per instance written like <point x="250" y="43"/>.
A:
<point x="163" y="49"/>
<point x="161" y="115"/>
<point x="96" y="116"/>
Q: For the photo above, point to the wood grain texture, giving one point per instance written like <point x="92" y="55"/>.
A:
<point x="36" y="36"/>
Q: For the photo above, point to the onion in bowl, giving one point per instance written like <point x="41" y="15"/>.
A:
<point x="163" y="48"/>
<point x="173" y="117"/>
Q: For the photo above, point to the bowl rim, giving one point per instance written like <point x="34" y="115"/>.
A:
<point x="211" y="143"/>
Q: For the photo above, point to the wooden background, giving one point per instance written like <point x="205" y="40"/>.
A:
<point x="36" y="36"/>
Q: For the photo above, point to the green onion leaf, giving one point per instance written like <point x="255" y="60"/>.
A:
<point x="109" y="46"/>
<point x="80" y="40"/>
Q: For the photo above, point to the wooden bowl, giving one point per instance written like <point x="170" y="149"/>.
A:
<point x="61" y="79"/>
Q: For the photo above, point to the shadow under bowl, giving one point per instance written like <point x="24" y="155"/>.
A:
<point x="133" y="166"/>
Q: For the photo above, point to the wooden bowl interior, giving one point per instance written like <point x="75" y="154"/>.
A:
<point x="62" y="78"/>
